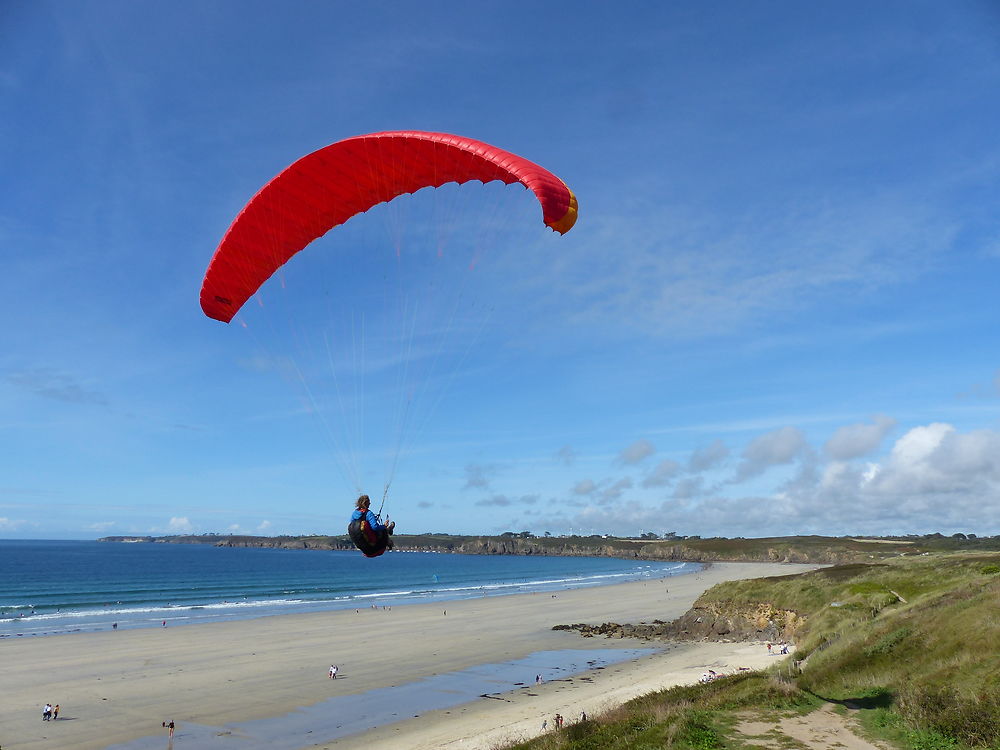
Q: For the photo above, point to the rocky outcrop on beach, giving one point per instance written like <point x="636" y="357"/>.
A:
<point x="654" y="631"/>
<point x="710" y="622"/>
<point x="725" y="621"/>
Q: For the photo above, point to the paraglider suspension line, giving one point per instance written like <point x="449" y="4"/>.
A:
<point x="385" y="494"/>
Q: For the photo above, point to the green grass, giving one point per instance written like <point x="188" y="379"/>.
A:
<point x="911" y="645"/>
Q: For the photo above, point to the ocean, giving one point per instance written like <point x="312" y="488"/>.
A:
<point x="52" y="587"/>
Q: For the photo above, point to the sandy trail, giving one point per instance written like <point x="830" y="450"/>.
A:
<point x="823" y="729"/>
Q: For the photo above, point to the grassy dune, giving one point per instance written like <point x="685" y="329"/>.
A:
<point x="910" y="646"/>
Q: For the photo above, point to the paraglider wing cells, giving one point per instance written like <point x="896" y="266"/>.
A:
<point x="327" y="187"/>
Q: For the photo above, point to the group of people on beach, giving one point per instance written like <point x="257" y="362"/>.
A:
<point x="709" y="676"/>
<point x="782" y="648"/>
<point x="50" y="712"/>
<point x="558" y="721"/>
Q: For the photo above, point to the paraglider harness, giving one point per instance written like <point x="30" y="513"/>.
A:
<point x="370" y="541"/>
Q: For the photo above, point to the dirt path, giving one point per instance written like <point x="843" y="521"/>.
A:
<point x="823" y="729"/>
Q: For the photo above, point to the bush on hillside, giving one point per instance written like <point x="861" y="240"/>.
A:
<point x="970" y="719"/>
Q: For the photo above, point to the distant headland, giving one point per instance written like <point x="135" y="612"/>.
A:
<point x="797" y="549"/>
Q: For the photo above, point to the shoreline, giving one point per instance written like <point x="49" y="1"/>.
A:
<point x="403" y="579"/>
<point x="118" y="686"/>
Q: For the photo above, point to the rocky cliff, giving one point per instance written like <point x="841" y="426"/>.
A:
<point x="715" y="621"/>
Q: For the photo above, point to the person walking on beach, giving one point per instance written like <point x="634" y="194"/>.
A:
<point x="169" y="725"/>
<point x="47" y="712"/>
<point x="55" y="711"/>
<point x="333" y="671"/>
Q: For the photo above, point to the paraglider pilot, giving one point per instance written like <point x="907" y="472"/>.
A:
<point x="367" y="531"/>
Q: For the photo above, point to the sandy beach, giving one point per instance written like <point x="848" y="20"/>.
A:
<point x="117" y="687"/>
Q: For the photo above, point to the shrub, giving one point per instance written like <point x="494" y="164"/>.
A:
<point x="971" y="719"/>
<point x="929" y="740"/>
<point x="699" y="733"/>
<point x="887" y="642"/>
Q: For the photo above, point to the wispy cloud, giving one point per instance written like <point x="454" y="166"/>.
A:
<point x="56" y="386"/>
<point x="663" y="474"/>
<point x="782" y="446"/>
<point x="636" y="452"/>
<point x="694" y="277"/>
<point x="503" y="501"/>
<point x="566" y="455"/>
<point x="708" y="456"/>
<point x="479" y="476"/>
<point x="853" y="441"/>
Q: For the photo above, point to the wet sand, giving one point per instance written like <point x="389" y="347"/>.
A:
<point x="116" y="687"/>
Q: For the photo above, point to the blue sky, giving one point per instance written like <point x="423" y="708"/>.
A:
<point x="777" y="313"/>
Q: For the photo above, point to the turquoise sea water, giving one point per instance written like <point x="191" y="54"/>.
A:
<point x="50" y="587"/>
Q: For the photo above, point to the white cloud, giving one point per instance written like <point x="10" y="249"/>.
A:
<point x="499" y="501"/>
<point x="180" y="524"/>
<point x="10" y="524"/>
<point x="781" y="446"/>
<point x="263" y="526"/>
<point x="606" y="490"/>
<point x="934" y="478"/>
<point x="919" y="443"/>
<point x="708" y="456"/>
<point x="663" y="474"/>
<point x="98" y="525"/>
<point x="636" y="452"/>
<point x="937" y="459"/>
<point x="615" y="490"/>
<point x="689" y="487"/>
<point x="856" y="440"/>
<point x="504" y="501"/>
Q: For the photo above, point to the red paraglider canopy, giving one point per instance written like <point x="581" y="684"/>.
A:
<point x="327" y="187"/>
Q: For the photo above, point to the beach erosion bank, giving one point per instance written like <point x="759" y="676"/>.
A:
<point x="117" y="687"/>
